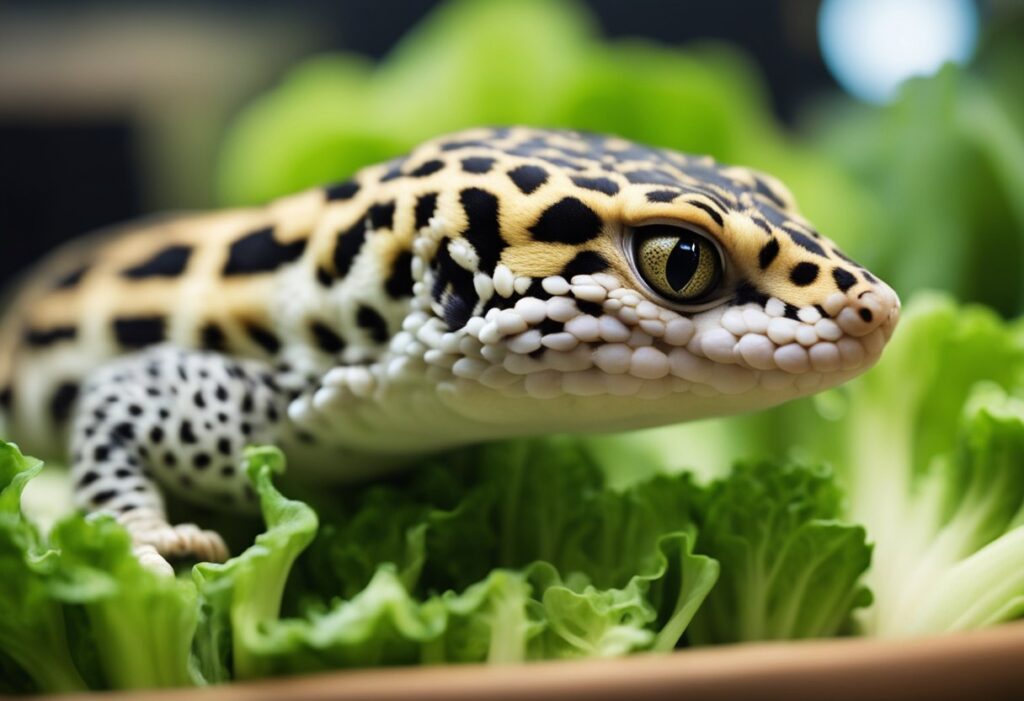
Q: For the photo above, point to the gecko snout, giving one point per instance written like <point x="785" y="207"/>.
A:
<point x="862" y="312"/>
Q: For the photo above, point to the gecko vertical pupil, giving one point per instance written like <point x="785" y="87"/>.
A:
<point x="682" y="263"/>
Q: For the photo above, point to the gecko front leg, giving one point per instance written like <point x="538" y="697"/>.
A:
<point x="177" y="420"/>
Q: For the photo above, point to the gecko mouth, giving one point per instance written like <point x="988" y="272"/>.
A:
<point x="594" y="336"/>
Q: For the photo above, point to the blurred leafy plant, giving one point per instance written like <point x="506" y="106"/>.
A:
<point x="945" y="162"/>
<point x="530" y="62"/>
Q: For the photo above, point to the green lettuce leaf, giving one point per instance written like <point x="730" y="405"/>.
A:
<point x="32" y="624"/>
<point x="78" y="610"/>
<point x="139" y="623"/>
<point x="241" y="597"/>
<point x="790" y="570"/>
<point x="499" y="554"/>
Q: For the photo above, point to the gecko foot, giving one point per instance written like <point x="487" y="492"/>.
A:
<point x="155" y="541"/>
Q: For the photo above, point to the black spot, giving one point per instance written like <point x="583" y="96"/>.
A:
<point x="264" y="338"/>
<point x="224" y="446"/>
<point x="457" y="312"/>
<point x="101" y="453"/>
<point x="370" y="319"/>
<point x="87" y="479"/>
<point x="199" y="400"/>
<point x="803" y="274"/>
<point x="762" y="224"/>
<point x="426" y="204"/>
<point x="6" y="398"/>
<point x="227" y="471"/>
<point x="187" y="434"/>
<point x="124" y="431"/>
<point x="41" y="338"/>
<point x="477" y="164"/>
<point x="428" y="168"/>
<point x="712" y="212"/>
<point x="567" y="221"/>
<point x="806" y="242"/>
<point x="605" y="185"/>
<point x="866" y="314"/>
<point x="382" y="216"/>
<point x="844" y="279"/>
<point x="247" y="403"/>
<point x="170" y="262"/>
<point x="326" y="338"/>
<point x="63" y="401"/>
<point x="221" y="393"/>
<point x="211" y="337"/>
<point x="156" y="435"/>
<point x="170" y="459"/>
<point x="122" y="473"/>
<point x="201" y="461"/>
<point x="450" y="276"/>
<point x="272" y="414"/>
<point x="399" y="281"/>
<point x="528" y="178"/>
<point x="135" y="410"/>
<point x="71" y="278"/>
<point x="260" y="252"/>
<point x="746" y="293"/>
<point x="100" y="498"/>
<point x="139" y="331"/>
<point x="350" y="242"/>
<point x="662" y="195"/>
<point x="323" y="276"/>
<point x="460" y="145"/>
<point x="483" y="231"/>
<point x="775" y="217"/>
<point x="341" y="191"/>
<point x="588" y="307"/>
<point x="868" y="277"/>
<point x="246" y="428"/>
<point x="584" y="263"/>
<point x="768" y="253"/>
<point x="763" y="188"/>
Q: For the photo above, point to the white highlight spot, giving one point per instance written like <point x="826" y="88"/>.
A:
<point x="872" y="46"/>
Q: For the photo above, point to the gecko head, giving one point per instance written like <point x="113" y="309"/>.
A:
<point x="642" y="287"/>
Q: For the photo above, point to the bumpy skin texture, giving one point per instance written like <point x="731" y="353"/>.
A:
<point x="482" y="287"/>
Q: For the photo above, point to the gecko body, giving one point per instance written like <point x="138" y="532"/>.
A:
<point x="493" y="283"/>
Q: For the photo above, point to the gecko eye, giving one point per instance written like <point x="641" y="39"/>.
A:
<point x="677" y="263"/>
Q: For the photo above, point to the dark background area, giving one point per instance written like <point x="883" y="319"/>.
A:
<point x="73" y="153"/>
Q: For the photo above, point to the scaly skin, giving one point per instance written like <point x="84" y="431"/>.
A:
<point x="490" y="284"/>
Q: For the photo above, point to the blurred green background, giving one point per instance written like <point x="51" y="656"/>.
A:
<point x="926" y="189"/>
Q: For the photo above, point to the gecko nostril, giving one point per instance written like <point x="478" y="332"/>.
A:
<point x="866" y="314"/>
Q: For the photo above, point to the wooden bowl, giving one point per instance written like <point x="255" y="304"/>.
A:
<point x="977" y="665"/>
